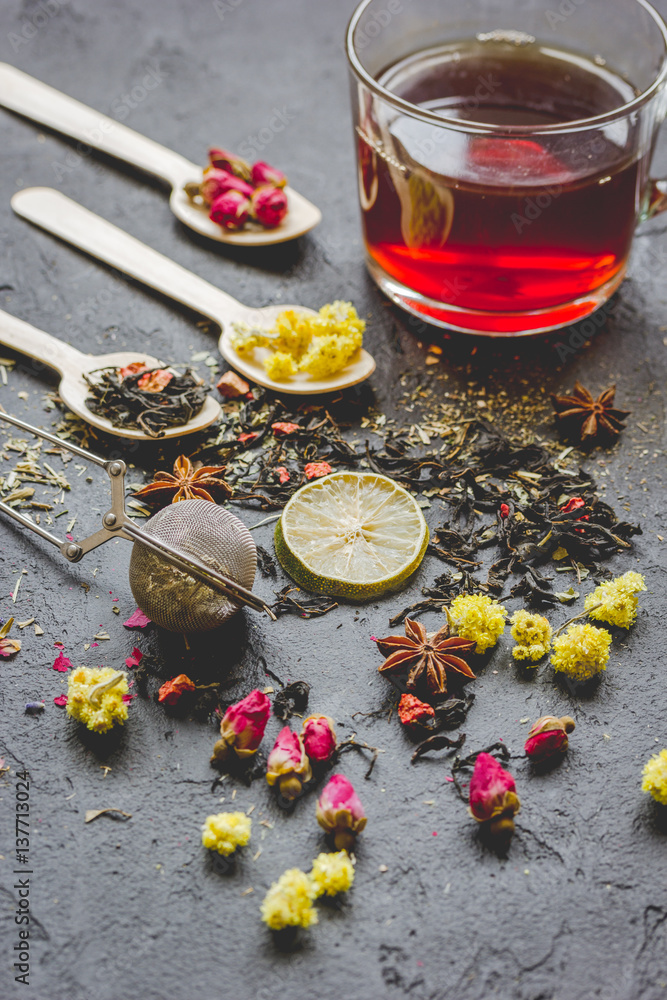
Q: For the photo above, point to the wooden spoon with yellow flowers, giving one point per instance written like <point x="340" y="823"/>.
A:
<point x="188" y="482"/>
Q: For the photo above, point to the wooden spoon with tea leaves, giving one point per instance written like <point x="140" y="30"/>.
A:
<point x="41" y="103"/>
<point x="73" y="366"/>
<point x="58" y="214"/>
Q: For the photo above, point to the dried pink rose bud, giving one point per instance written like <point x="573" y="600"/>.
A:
<point x="230" y="210"/>
<point x="264" y="173"/>
<point x="493" y="795"/>
<point x="548" y="736"/>
<point x="217" y="182"/>
<point x="288" y="765"/>
<point x="242" y="726"/>
<point x="340" y="812"/>
<point x="319" y="737"/>
<point x="224" y="160"/>
<point x="269" y="205"/>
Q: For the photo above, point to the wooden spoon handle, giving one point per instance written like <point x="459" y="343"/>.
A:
<point x="36" y="100"/>
<point x="27" y="339"/>
<point x="67" y="219"/>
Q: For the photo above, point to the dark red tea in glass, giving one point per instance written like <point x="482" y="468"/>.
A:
<point x="501" y="176"/>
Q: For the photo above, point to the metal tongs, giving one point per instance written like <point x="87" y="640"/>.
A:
<point x="117" y="524"/>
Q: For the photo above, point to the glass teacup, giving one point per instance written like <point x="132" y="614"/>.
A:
<point x="503" y="153"/>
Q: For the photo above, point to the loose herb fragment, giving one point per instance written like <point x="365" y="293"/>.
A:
<point x="8" y="646"/>
<point x="137" y="620"/>
<point x="146" y="400"/>
<point x="92" y="814"/>
<point x="307" y="606"/>
<point x="438" y="742"/>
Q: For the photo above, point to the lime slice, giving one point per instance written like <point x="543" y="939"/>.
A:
<point x="351" y="534"/>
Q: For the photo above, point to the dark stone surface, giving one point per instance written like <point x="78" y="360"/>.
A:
<point x="578" y="909"/>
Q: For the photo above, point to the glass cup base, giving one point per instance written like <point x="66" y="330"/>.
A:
<point x="491" y="324"/>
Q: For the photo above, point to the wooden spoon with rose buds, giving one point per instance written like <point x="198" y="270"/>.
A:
<point x="36" y="100"/>
<point x="72" y="366"/>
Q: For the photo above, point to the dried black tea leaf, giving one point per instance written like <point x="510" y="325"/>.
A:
<point x="293" y="698"/>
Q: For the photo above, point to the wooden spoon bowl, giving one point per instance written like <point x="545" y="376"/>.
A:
<point x="72" y="365"/>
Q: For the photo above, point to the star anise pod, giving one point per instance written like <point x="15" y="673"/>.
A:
<point x="188" y="482"/>
<point x="591" y="416"/>
<point x="428" y="657"/>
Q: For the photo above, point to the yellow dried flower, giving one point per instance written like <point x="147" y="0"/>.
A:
<point x="655" y="777"/>
<point x="106" y="707"/>
<point x="246" y="338"/>
<point x="288" y="903"/>
<point x="618" y="600"/>
<point x="581" y="652"/>
<point x="532" y="634"/>
<point x="225" y="832"/>
<point x="279" y="366"/>
<point x="478" y="617"/>
<point x="332" y="873"/>
<point x="327" y="355"/>
<point x="293" y="332"/>
<point x="320" y="344"/>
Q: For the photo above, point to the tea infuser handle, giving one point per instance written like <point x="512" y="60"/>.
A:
<point x="88" y="456"/>
<point x="113" y="521"/>
<point x="48" y="106"/>
<point x="28" y="523"/>
<point x="37" y="344"/>
<point x="65" y="218"/>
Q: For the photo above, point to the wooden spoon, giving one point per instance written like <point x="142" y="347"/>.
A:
<point x="73" y="365"/>
<point x="65" y="218"/>
<point x="41" y="103"/>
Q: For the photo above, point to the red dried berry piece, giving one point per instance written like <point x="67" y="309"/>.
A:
<point x="314" y="470"/>
<point x="172" y="690"/>
<point x="284" y="428"/>
<point x="412" y="711"/>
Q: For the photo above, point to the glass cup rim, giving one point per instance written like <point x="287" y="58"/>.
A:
<point x="483" y="128"/>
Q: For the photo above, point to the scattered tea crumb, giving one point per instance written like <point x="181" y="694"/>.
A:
<point x="92" y="814"/>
